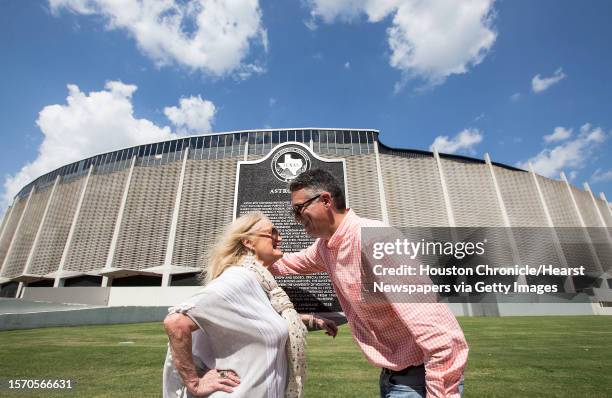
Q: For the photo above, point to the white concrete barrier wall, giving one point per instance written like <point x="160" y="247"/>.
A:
<point x="150" y="296"/>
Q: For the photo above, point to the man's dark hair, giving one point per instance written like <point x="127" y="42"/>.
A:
<point x="319" y="180"/>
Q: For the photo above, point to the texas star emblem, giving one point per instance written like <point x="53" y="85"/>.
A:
<point x="288" y="163"/>
<point x="291" y="164"/>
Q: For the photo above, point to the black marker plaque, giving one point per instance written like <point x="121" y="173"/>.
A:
<point x="263" y="185"/>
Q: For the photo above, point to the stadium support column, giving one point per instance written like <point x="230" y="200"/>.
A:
<point x="6" y="223"/>
<point x="246" y="150"/>
<point x="584" y="226"/>
<point x="58" y="276"/>
<point x="447" y="202"/>
<point x="502" y="207"/>
<point x="174" y="223"/>
<point x="467" y="307"/>
<point x="113" y="245"/>
<point x="28" y="264"/>
<point x="568" y="285"/>
<point x="15" y="234"/>
<point x="602" y="196"/>
<point x="381" y="186"/>
<point x="602" y="220"/>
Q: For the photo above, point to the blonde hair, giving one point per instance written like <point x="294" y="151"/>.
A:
<point x="229" y="249"/>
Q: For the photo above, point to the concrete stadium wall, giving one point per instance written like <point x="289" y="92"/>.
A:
<point x="150" y="296"/>
<point x="80" y="317"/>
<point x="145" y="296"/>
<point x="115" y="210"/>
<point x="78" y="295"/>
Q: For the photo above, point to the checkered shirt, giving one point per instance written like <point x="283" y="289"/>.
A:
<point x="390" y="334"/>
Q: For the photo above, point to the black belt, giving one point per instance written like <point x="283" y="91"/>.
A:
<point x="407" y="370"/>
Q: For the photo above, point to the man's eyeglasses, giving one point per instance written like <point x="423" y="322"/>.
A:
<point x="274" y="234"/>
<point x="297" y="210"/>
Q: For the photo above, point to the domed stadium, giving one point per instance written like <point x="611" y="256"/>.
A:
<point x="133" y="226"/>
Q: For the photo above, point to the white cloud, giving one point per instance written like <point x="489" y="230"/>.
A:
<point x="601" y="176"/>
<point x="95" y="122"/>
<point x="463" y="141"/>
<point x="210" y="35"/>
<point x="539" y="84"/>
<point x="430" y="40"/>
<point x="272" y="101"/>
<point x="515" y="97"/>
<point x="194" y="115"/>
<point x="559" y="134"/>
<point x="347" y="65"/>
<point x="572" y="154"/>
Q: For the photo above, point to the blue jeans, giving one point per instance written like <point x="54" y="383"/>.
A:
<point x="407" y="383"/>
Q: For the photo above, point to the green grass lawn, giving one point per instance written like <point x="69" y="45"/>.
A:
<point x="509" y="357"/>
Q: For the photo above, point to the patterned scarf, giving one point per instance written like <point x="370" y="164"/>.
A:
<point x="296" y="343"/>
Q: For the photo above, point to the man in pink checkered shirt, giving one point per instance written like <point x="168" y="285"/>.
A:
<point x="419" y="346"/>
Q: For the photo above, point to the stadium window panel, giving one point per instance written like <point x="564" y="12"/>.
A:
<point x="258" y="143"/>
<point x="117" y="162"/>
<point x="283" y="136"/>
<point x="275" y="137"/>
<point x="252" y="138"/>
<point x="299" y="136"/>
<point x="227" y="140"/>
<point x="307" y="136"/>
<point x="107" y="162"/>
<point x="323" y="141"/>
<point x="154" y="158"/>
<point x="214" y="146"/>
<point x="354" y="146"/>
<point x="267" y="139"/>
<point x="145" y="158"/>
<point x="207" y="142"/>
<point x="347" y="137"/>
<point x="292" y="135"/>
<point x="331" y="142"/>
<point x="236" y="144"/>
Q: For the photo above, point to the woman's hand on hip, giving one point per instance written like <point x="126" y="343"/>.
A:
<point x="215" y="380"/>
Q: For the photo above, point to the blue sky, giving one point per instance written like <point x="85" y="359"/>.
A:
<point x="522" y="80"/>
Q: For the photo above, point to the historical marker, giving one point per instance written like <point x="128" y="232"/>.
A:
<point x="263" y="185"/>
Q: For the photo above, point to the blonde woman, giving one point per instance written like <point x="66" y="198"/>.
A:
<point x="239" y="334"/>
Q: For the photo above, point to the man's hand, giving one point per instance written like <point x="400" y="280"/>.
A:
<point x="214" y="380"/>
<point x="330" y="327"/>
